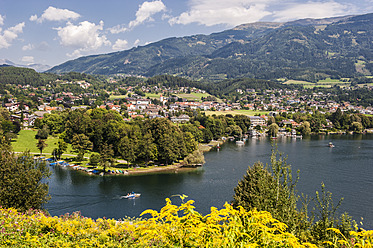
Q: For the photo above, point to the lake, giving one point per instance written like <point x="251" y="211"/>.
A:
<point x="346" y="170"/>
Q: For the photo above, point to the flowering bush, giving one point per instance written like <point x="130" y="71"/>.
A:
<point x="172" y="226"/>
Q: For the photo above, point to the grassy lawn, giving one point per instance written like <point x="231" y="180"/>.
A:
<point x="193" y="96"/>
<point x="114" y="97"/>
<point x="26" y="141"/>
<point x="152" y="95"/>
<point x="236" y="112"/>
<point x="325" y="83"/>
<point x="329" y="80"/>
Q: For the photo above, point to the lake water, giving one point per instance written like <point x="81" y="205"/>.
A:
<point x="346" y="170"/>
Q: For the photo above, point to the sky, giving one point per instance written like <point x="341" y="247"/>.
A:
<point x="51" y="32"/>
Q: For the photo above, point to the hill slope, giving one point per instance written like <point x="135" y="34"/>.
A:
<point x="303" y="49"/>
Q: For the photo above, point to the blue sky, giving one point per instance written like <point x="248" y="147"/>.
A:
<point x="52" y="32"/>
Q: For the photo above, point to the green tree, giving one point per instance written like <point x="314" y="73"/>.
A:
<point x="55" y="122"/>
<point x="127" y="149"/>
<point x="168" y="148"/>
<point x="189" y="141"/>
<point x="273" y="130"/>
<point x="94" y="159"/>
<point x="22" y="181"/>
<point x="243" y="122"/>
<point x="81" y="144"/>
<point x="304" y="128"/>
<point x="60" y="149"/>
<point x="53" y="103"/>
<point x="356" y="127"/>
<point x="41" y="145"/>
<point x="147" y="149"/>
<point x="43" y="133"/>
<point x="106" y="155"/>
<point x="194" y="158"/>
<point x="272" y="189"/>
<point x="271" y="120"/>
<point x="324" y="214"/>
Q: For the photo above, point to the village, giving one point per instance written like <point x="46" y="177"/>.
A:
<point x="167" y="102"/>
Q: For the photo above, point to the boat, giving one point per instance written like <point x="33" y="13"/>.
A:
<point x="331" y="144"/>
<point x="131" y="196"/>
<point x="240" y="142"/>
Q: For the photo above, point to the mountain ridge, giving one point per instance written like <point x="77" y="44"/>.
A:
<point x="300" y="49"/>
<point x="36" y="67"/>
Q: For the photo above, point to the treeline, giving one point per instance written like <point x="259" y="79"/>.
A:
<point x="18" y="75"/>
<point x="140" y="140"/>
<point x="106" y="132"/>
<point x="220" y="88"/>
<point x="360" y="96"/>
<point x="318" y="122"/>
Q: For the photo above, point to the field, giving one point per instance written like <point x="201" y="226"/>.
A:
<point x="26" y="141"/>
<point x="114" y="97"/>
<point x="152" y="95"/>
<point x="236" y="112"/>
<point x="325" y="83"/>
<point x="193" y="96"/>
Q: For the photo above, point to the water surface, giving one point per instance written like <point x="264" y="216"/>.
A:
<point x="346" y="170"/>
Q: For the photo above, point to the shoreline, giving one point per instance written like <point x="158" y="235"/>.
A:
<point x="174" y="168"/>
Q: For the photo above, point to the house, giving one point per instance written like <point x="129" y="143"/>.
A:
<point x="180" y="119"/>
<point x="257" y="120"/>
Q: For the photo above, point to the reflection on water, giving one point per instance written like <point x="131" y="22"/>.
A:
<point x="346" y="170"/>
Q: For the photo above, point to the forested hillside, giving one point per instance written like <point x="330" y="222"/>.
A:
<point x="305" y="49"/>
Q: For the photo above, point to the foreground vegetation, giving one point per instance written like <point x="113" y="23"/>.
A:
<point x="172" y="226"/>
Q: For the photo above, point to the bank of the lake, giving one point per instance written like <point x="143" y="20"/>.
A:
<point x="345" y="169"/>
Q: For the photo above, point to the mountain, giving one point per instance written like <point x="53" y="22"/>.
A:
<point x="36" y="67"/>
<point x="307" y="49"/>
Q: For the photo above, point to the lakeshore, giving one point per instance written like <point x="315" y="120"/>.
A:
<point x="133" y="171"/>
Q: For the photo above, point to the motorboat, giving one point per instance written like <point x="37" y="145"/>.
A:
<point x="240" y="142"/>
<point x="131" y="196"/>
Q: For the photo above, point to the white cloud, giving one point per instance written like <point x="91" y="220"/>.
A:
<point x="117" y="29"/>
<point x="226" y="12"/>
<point x="10" y="34"/>
<point x="84" y="37"/>
<point x="120" y="44"/>
<point x="28" y="59"/>
<point x="33" y="18"/>
<point x="312" y="10"/>
<point x="27" y="47"/>
<point x="1" y="20"/>
<point x="146" y="11"/>
<point x="136" y="42"/>
<point x="55" y="14"/>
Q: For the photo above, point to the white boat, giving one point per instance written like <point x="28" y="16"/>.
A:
<point x="240" y="142"/>
<point x="130" y="196"/>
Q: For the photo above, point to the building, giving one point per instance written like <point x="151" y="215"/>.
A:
<point x="257" y="120"/>
<point x="180" y="119"/>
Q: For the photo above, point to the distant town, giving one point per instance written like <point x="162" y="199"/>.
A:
<point x="176" y="103"/>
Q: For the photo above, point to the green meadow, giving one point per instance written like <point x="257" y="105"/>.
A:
<point x="325" y="83"/>
<point x="236" y="112"/>
<point x="26" y="141"/>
